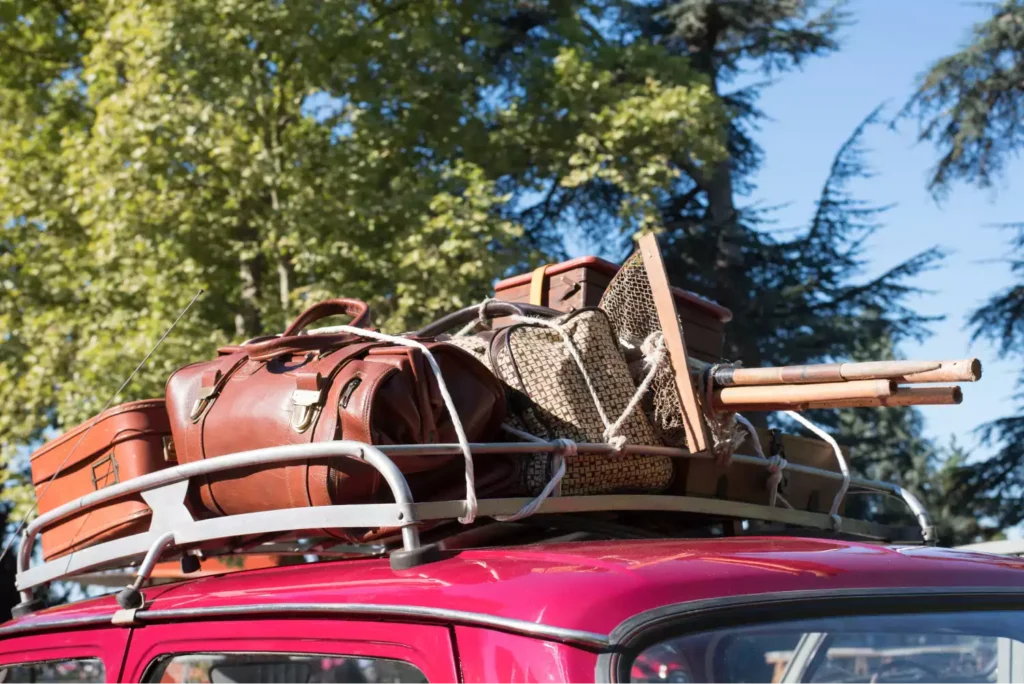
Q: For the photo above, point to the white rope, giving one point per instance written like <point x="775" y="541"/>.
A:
<point x="570" y="345"/>
<point x="776" y="464"/>
<point x="481" y="319"/>
<point x="471" y="502"/>
<point x="655" y="354"/>
<point x="564" y="448"/>
<point x="654" y="357"/>
<point x="754" y="438"/>
<point x="838" y="501"/>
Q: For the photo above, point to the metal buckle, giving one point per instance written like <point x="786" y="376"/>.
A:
<point x="206" y="395"/>
<point x="109" y="458"/>
<point x="170" y="455"/>
<point x="306" y="406"/>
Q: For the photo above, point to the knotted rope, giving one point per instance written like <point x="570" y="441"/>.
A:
<point x="722" y="426"/>
<point x="564" y="448"/>
<point x="480" y="320"/>
<point x="776" y="464"/>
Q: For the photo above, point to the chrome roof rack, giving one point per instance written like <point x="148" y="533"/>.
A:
<point x="174" y="532"/>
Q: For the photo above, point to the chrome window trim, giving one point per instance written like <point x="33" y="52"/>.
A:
<point x="53" y="625"/>
<point x="591" y="640"/>
<point x="784" y="606"/>
<point x="535" y="629"/>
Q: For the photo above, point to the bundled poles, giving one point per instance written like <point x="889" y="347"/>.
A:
<point x="840" y="385"/>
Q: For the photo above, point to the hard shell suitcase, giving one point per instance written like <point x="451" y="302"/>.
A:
<point x="123" y="442"/>
<point x="579" y="283"/>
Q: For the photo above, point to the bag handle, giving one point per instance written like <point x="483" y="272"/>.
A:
<point x="488" y="310"/>
<point x="292" y="341"/>
<point x="356" y="308"/>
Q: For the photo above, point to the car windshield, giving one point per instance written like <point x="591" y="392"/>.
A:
<point x="984" y="646"/>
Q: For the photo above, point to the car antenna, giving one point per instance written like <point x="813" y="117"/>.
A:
<point x="35" y="506"/>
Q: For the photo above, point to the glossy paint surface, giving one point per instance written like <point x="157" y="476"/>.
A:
<point x="589" y="586"/>
<point x="491" y="656"/>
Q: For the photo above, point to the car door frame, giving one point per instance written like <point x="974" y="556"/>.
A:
<point x="108" y="643"/>
<point x="429" y="647"/>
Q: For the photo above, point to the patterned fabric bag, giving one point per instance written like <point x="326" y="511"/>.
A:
<point x="565" y="377"/>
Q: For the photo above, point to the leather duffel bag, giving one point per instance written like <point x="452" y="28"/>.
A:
<point x="301" y="388"/>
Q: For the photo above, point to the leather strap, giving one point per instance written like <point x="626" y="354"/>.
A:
<point x="356" y="308"/>
<point x="537" y="289"/>
<point x="291" y="342"/>
<point x="296" y="344"/>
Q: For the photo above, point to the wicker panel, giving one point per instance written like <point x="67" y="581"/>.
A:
<point x="629" y="303"/>
<point x="549" y="395"/>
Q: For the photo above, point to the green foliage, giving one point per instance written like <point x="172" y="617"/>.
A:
<point x="969" y="104"/>
<point x="993" y="486"/>
<point x="275" y="154"/>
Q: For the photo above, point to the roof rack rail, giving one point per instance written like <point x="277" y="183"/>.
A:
<point x="174" y="532"/>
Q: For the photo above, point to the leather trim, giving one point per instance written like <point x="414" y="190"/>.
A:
<point x="537" y="289"/>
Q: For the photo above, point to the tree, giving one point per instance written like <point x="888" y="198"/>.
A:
<point x="275" y="154"/>
<point x="969" y="105"/>
<point x="798" y="297"/>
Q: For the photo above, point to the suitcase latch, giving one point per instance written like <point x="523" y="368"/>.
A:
<point x="101" y="476"/>
<point x="306" y="401"/>
<point x="210" y="386"/>
<point x="205" y="397"/>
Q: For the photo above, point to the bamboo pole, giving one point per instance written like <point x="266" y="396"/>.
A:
<point x="902" y="396"/>
<point x="962" y="370"/>
<point x="821" y="372"/>
<point x="726" y="397"/>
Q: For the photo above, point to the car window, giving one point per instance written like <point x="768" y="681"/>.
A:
<point x="70" y="670"/>
<point x="214" y="668"/>
<point x="933" y="647"/>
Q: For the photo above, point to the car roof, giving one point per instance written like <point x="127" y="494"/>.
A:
<point x="590" y="586"/>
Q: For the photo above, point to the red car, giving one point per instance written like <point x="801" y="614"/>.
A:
<point x="727" y="609"/>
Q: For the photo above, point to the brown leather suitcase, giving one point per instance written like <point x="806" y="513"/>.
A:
<point x="123" y="442"/>
<point x="579" y="283"/>
<point x="301" y="388"/>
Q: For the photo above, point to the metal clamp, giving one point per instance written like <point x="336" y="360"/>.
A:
<point x="306" y="406"/>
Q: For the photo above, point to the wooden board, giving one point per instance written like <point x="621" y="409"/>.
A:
<point x="664" y="302"/>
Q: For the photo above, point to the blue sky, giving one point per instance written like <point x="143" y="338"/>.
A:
<point x="813" y="111"/>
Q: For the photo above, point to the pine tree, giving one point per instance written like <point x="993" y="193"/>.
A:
<point x="801" y="298"/>
<point x="969" y="106"/>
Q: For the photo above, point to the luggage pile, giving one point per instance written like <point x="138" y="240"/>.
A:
<point x="580" y="387"/>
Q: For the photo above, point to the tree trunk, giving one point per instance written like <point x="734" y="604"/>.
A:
<point x="247" y="320"/>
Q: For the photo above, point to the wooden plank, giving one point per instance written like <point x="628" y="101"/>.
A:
<point x="664" y="302"/>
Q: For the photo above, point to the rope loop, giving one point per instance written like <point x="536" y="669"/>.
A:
<point x="563" y="448"/>
<point x="843" y="467"/>
<point x="480" y="320"/>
